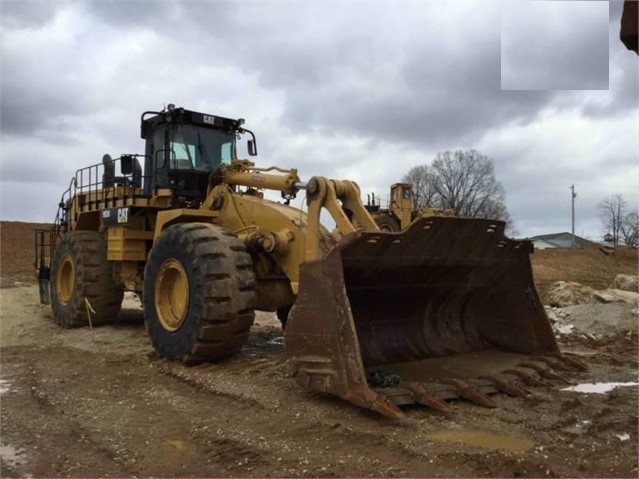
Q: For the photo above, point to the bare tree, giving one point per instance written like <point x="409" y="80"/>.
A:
<point x="611" y="212"/>
<point x="630" y="229"/>
<point x="463" y="181"/>
<point x="421" y="179"/>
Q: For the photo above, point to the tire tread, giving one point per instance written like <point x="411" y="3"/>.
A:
<point x="222" y="293"/>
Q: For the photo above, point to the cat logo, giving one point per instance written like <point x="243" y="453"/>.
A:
<point x="209" y="119"/>
<point x="116" y="216"/>
<point x="123" y="215"/>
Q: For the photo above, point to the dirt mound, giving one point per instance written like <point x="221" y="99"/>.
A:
<point x="589" y="267"/>
<point x="17" y="252"/>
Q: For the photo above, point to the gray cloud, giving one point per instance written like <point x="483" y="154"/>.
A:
<point x="18" y="13"/>
<point x="138" y="13"/>
<point x="330" y="88"/>
<point x="623" y="94"/>
<point x="554" y="45"/>
<point x="44" y="82"/>
<point x="341" y="66"/>
<point x="395" y="80"/>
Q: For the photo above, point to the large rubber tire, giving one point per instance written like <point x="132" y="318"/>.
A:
<point x="199" y="293"/>
<point x="80" y="270"/>
<point x="387" y="223"/>
<point x="282" y="314"/>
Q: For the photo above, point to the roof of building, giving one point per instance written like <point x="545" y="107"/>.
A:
<point x="563" y="240"/>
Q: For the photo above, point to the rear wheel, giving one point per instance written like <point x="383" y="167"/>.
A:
<point x="199" y="293"/>
<point x="387" y="223"/>
<point x="80" y="272"/>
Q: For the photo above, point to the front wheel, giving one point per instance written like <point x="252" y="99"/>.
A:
<point x="199" y="293"/>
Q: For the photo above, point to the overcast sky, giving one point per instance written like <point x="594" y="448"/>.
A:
<point x="358" y="90"/>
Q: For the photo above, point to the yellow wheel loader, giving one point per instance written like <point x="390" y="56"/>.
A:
<point x="399" y="210"/>
<point x="444" y="309"/>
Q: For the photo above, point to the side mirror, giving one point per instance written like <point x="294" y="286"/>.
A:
<point x="126" y="164"/>
<point x="252" y="148"/>
<point x="145" y="129"/>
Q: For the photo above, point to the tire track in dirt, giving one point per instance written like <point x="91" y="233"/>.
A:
<point x="69" y="443"/>
<point x="317" y="441"/>
<point x="244" y="417"/>
<point x="120" y="435"/>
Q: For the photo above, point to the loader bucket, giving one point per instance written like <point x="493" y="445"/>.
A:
<point x="432" y="313"/>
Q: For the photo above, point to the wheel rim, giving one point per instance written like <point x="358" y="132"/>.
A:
<point x="65" y="279"/>
<point x="386" y="228"/>
<point x="171" y="295"/>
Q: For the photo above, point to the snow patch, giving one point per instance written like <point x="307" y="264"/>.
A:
<point x="598" y="388"/>
<point x="4" y="386"/>
<point x="11" y="455"/>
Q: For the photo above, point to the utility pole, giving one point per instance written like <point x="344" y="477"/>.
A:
<point x="573" y="196"/>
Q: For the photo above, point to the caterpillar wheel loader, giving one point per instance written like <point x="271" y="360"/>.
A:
<point x="399" y="210"/>
<point x="445" y="309"/>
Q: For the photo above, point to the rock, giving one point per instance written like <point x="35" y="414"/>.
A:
<point x="600" y="319"/>
<point x="564" y="294"/>
<point x="567" y="329"/>
<point x="617" y="296"/>
<point x="379" y="378"/>
<point x="626" y="282"/>
<point x="552" y="316"/>
<point x="604" y="298"/>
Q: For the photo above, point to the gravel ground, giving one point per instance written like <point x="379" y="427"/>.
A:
<point x="81" y="403"/>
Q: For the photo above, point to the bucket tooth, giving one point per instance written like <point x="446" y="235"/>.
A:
<point x="507" y="386"/>
<point x="427" y="398"/>
<point x="369" y="399"/>
<point x="471" y="393"/>
<point x="555" y="363"/>
<point x="573" y="362"/>
<point x="529" y="378"/>
<point x="544" y="372"/>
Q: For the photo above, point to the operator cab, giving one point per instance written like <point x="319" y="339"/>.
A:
<point x="183" y="147"/>
<point x="400" y="192"/>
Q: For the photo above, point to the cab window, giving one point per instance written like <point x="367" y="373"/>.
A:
<point x="196" y="148"/>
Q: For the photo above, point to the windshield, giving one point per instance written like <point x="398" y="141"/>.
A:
<point x="198" y="148"/>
